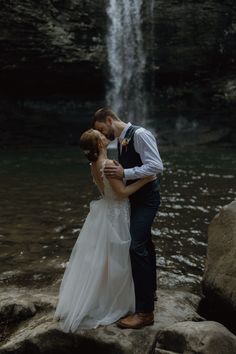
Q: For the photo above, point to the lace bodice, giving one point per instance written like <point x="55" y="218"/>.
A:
<point x="108" y="191"/>
<point x="115" y="207"/>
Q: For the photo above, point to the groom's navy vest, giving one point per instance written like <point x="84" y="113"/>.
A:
<point x="129" y="158"/>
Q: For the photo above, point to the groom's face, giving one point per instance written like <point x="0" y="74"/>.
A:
<point x="106" y="128"/>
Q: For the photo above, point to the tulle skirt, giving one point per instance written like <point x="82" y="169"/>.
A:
<point x="97" y="286"/>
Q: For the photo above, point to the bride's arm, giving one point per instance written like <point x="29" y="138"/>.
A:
<point x="123" y="191"/>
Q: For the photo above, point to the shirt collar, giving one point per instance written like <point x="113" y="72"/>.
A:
<point x="122" y="135"/>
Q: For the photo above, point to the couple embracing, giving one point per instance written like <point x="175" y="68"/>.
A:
<point x="111" y="273"/>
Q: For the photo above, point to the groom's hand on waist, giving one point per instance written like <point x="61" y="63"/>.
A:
<point x="114" y="171"/>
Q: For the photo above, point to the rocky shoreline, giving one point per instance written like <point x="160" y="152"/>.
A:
<point x="27" y="325"/>
<point x="34" y="329"/>
<point x="178" y="328"/>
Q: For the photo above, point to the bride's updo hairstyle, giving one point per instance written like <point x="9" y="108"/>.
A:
<point x="89" y="143"/>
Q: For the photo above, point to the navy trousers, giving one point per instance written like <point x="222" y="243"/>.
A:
<point x="144" y="206"/>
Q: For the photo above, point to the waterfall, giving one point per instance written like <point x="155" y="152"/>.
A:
<point x="126" y="58"/>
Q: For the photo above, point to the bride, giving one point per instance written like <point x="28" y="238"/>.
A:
<point x="97" y="286"/>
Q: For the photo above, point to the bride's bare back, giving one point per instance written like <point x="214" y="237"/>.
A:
<point x="117" y="185"/>
<point x="96" y="171"/>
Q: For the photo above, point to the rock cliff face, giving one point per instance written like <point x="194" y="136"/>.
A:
<point x="193" y="38"/>
<point x="52" y="46"/>
<point x="193" y="58"/>
<point x="61" y="45"/>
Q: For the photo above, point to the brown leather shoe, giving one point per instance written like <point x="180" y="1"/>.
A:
<point x="138" y="320"/>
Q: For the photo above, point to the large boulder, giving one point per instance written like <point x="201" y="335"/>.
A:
<point x="205" y="337"/>
<point x="219" y="279"/>
<point x="220" y="269"/>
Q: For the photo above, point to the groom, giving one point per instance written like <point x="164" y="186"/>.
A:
<point x="139" y="157"/>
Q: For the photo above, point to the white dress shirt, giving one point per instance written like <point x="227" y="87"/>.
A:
<point x="145" y="145"/>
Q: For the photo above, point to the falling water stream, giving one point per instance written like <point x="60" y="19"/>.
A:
<point x="126" y="59"/>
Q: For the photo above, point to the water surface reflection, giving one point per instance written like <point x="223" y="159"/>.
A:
<point x="45" y="195"/>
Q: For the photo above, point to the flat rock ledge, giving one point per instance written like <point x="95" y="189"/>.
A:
<point x="27" y="326"/>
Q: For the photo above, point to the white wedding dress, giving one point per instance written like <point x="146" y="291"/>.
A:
<point x="97" y="286"/>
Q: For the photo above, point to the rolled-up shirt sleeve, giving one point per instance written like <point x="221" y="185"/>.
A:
<point x="146" y="146"/>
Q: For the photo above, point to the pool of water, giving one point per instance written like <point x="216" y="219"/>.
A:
<point x="45" y="195"/>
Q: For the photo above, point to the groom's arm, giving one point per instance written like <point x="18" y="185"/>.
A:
<point x="146" y="146"/>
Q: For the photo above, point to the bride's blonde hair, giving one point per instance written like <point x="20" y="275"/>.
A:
<point x="89" y="143"/>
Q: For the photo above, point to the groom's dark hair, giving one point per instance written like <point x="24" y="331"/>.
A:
<point x="102" y="114"/>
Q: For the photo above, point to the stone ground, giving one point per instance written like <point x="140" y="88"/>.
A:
<point x="31" y="327"/>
